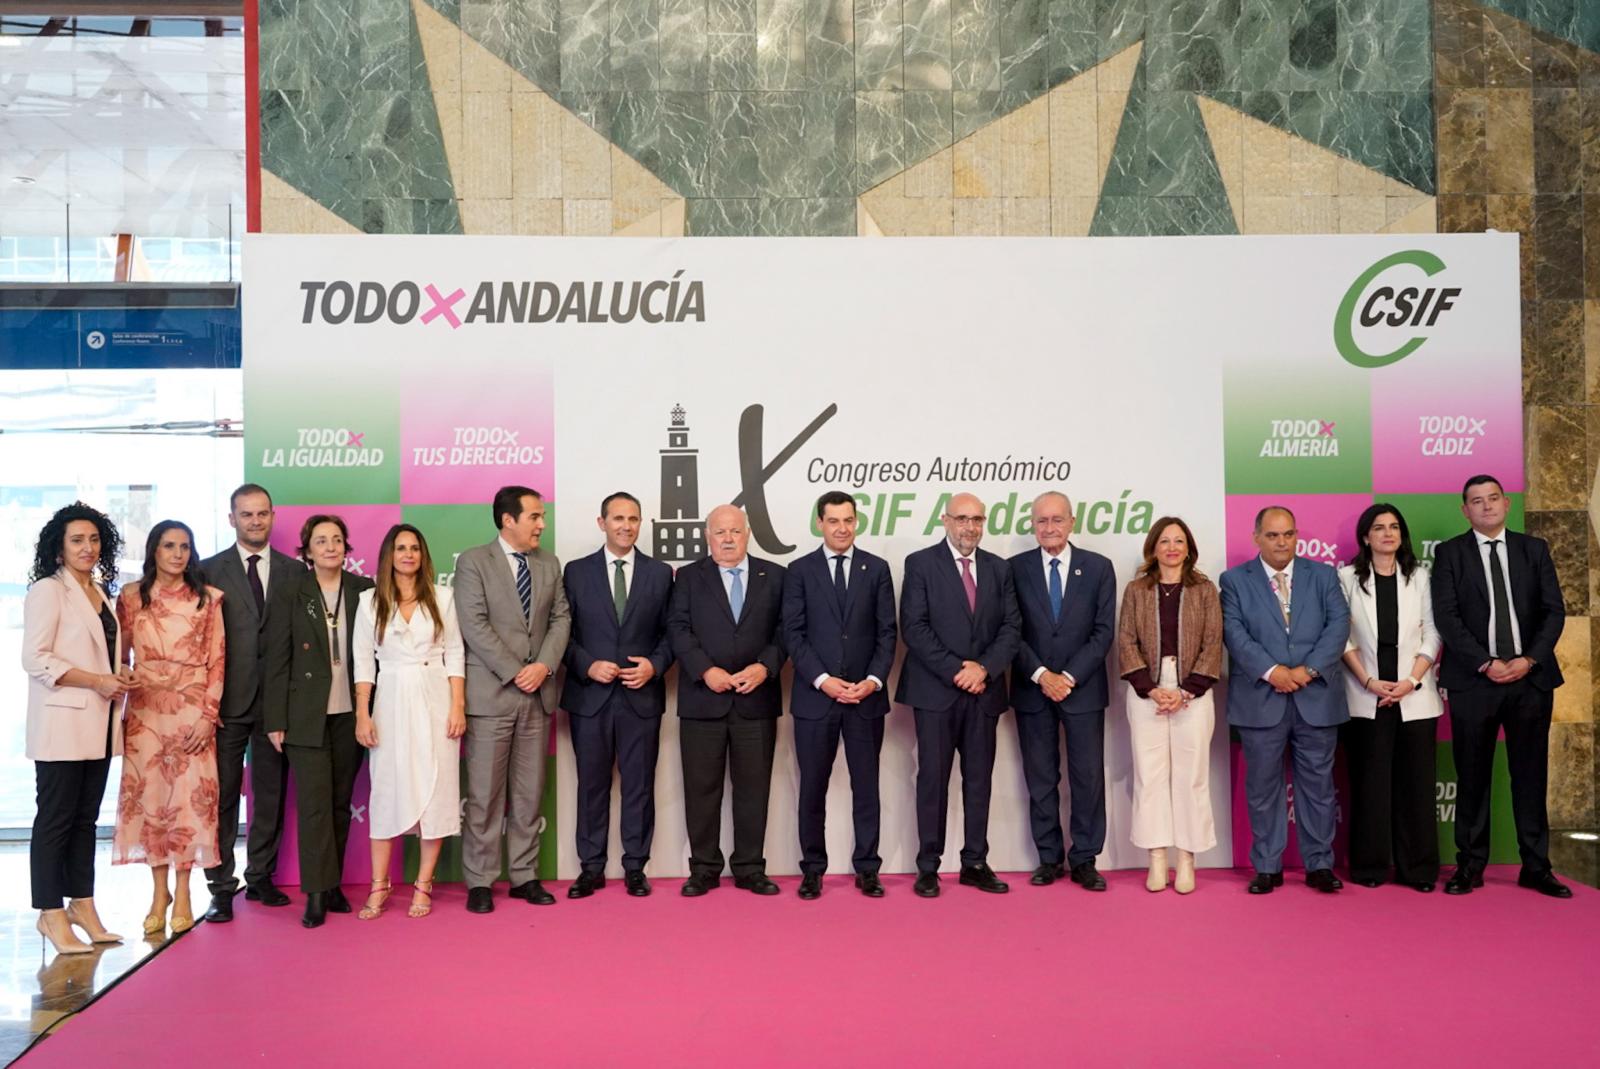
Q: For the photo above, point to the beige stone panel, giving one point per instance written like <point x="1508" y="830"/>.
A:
<point x="978" y="218"/>
<point x="538" y="215"/>
<point x="674" y="218"/>
<point x="585" y="161"/>
<point x="635" y="192"/>
<point x="1575" y="698"/>
<point x="911" y="216"/>
<point x="286" y="210"/>
<point x="1025" y="217"/>
<point x="933" y="177"/>
<point x="482" y="71"/>
<point x="486" y="138"/>
<point x="535" y="146"/>
<point x="1362" y="214"/>
<point x="1025" y="150"/>
<point x="1268" y="215"/>
<point x="866" y="225"/>
<point x="1268" y="166"/>
<point x="1071" y="217"/>
<point x="1412" y="215"/>
<point x="1116" y="74"/>
<point x="484" y="216"/>
<point x="1074" y="142"/>
<point x="441" y="48"/>
<point x="1354" y="180"/>
<point x="1225" y="128"/>
<point x="977" y="163"/>
<point x="1108" y="118"/>
<point x="449" y="107"/>
<point x="586" y="218"/>
<point x="1313" y="169"/>
<point x="1591" y="353"/>
<point x="1315" y="215"/>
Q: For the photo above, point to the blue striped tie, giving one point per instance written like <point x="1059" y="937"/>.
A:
<point x="524" y="585"/>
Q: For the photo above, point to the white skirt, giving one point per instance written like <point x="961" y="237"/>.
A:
<point x="416" y="768"/>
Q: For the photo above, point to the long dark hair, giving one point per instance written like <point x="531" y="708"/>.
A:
<point x="1404" y="556"/>
<point x="1149" y="573"/>
<point x="386" y="597"/>
<point x="52" y="543"/>
<point x="193" y="577"/>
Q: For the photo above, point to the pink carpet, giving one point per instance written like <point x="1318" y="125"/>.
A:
<point x="1039" y="976"/>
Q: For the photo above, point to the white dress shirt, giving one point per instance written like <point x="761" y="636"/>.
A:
<point x="627" y="569"/>
<point x="956" y="553"/>
<point x="511" y="559"/>
<point x="726" y="572"/>
<point x="1065" y="557"/>
<point x="1488" y="584"/>
<point x="263" y="563"/>
<point x="1283" y="596"/>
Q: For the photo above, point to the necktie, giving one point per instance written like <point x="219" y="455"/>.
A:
<point x="1055" y="589"/>
<point x="1280" y="587"/>
<point x="619" y="590"/>
<point x="969" y="584"/>
<point x="524" y="585"/>
<point x="256" y="588"/>
<point x="1505" y="647"/>
<point x="838" y="579"/>
<point x="736" y="594"/>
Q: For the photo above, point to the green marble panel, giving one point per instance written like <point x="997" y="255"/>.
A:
<point x="283" y="60"/>
<point x="1120" y="23"/>
<point x="450" y="9"/>
<point x="1074" y="41"/>
<point x="781" y="45"/>
<point x="1314" y="47"/>
<point x="708" y="217"/>
<point x="399" y="151"/>
<point x="331" y="42"/>
<point x="1260" y="43"/>
<point x="975" y="45"/>
<point x="666" y="132"/>
<point x="831" y="43"/>
<point x="585" y="43"/>
<point x="387" y="216"/>
<point x="684" y="45"/>
<point x="436" y="217"/>
<point x="806" y="143"/>
<point x="1577" y="21"/>
<point x="1362" y="64"/>
<point x="973" y="109"/>
<point x="880" y="47"/>
<point x="1408" y="45"/>
<point x="1189" y="45"/>
<point x="731" y="44"/>
<point x="387" y="45"/>
<point x="635" y="60"/>
<point x="732" y="164"/>
<point x="306" y="140"/>
<point x="927" y="44"/>
<point x="806" y="217"/>
<point x="930" y="124"/>
<point x="880" y="137"/>
<point x="533" y="41"/>
<point x="1025" y="46"/>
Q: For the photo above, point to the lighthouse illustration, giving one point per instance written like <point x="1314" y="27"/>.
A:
<point x="680" y="533"/>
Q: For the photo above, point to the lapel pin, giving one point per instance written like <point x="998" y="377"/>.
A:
<point x="1077" y="571"/>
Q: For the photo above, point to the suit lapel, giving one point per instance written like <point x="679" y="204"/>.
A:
<point x="756" y="581"/>
<point x="635" y="591"/>
<point x="1033" y="583"/>
<point x="952" y="572"/>
<point x="1369" y="601"/>
<point x="826" y="580"/>
<point x="719" y="593"/>
<point x="1263" y="588"/>
<point x="80" y="605"/>
<point x="238" y="583"/>
<point x="1474" y="568"/>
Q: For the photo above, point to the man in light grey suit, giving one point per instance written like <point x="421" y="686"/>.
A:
<point x="514" y="620"/>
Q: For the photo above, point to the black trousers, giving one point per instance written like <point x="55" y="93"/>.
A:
<point x="816" y="743"/>
<point x="615" y="737"/>
<point x="1476" y="715"/>
<point x="1392" y="804"/>
<point x="965" y="729"/>
<point x="741" y="748"/>
<point x="61" y="855"/>
<point x="269" y="773"/>
<point x="1038" y="736"/>
<point x="324" y="780"/>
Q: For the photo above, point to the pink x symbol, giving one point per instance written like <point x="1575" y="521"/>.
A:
<point x="442" y="306"/>
<point x="1327" y="428"/>
<point x="355" y="439"/>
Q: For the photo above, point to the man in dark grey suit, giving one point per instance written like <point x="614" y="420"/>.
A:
<point x="512" y="608"/>
<point x="245" y="572"/>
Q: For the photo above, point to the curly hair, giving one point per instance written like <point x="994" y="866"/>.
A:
<point x="53" y="540"/>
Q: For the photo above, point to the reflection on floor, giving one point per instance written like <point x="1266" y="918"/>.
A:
<point x="38" y="988"/>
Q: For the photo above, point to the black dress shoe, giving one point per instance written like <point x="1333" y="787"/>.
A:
<point x="316" y="910"/>
<point x="1264" y="882"/>
<point x="221" y="911"/>
<point x="1088" y="877"/>
<point x="1045" y="875"/>
<point x="1462" y="881"/>
<point x="1543" y="882"/>
<point x="811" y="886"/>
<point x="533" y="893"/>
<point x="586" y="884"/>
<point x="927" y="885"/>
<point x="757" y="884"/>
<point x="983" y="878"/>
<point x="869" y="884"/>
<point x="634" y="880"/>
<point x="1423" y="886"/>
<point x="698" y="884"/>
<point x="480" y="900"/>
<point x="1323" y="880"/>
<point x="337" y="902"/>
<point x="267" y="894"/>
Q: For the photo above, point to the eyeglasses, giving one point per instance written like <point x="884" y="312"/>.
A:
<point x="965" y="521"/>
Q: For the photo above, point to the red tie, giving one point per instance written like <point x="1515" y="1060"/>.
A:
<point x="970" y="585"/>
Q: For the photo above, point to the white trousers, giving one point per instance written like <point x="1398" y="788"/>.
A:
<point x="1172" y="770"/>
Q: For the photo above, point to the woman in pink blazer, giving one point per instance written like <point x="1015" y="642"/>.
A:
<point x="71" y="650"/>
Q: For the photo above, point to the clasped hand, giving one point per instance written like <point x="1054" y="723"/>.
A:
<point x="972" y="678"/>
<point x="636" y="675"/>
<point x="747" y="679"/>
<point x="847" y="693"/>
<point x="1390" y="693"/>
<point x="531" y="678"/>
<point x="1508" y="671"/>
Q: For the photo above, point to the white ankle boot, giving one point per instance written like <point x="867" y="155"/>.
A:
<point x="1185" y="880"/>
<point x="1157" y="880"/>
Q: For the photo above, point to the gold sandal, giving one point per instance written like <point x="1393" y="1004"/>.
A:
<point x="369" y="911"/>
<point x="421" y="909"/>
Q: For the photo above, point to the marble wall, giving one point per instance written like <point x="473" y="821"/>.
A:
<point x="955" y="117"/>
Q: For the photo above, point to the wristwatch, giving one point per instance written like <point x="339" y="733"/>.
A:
<point x="1415" y="682"/>
<point x="1313" y="673"/>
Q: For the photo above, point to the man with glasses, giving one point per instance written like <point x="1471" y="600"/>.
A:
<point x="959" y="619"/>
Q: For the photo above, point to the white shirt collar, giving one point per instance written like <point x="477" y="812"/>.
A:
<point x="245" y="554"/>
<point x="1484" y="539"/>
<point x="505" y="547"/>
<point x="956" y="553"/>
<point x="828" y="554"/>
<point x="743" y="562"/>
<point x="611" y="558"/>
<point x="1064" y="556"/>
<point x="1287" y="569"/>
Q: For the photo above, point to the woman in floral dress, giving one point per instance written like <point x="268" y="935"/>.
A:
<point x="167" y="808"/>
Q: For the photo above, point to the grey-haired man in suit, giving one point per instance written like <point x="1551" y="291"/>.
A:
<point x="514" y="620"/>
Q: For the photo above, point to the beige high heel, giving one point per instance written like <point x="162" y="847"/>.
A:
<point x="1157" y="879"/>
<point x="69" y="944"/>
<point x="1185" y="880"/>
<point x="91" y="924"/>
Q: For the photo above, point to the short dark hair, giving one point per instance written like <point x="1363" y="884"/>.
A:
<point x="1262" y="515"/>
<point x="835" y="497"/>
<point x="508" y="502"/>
<point x="1479" y="480"/>
<point x="247" y="488"/>
<point x="311" y="524"/>
<point x="605" y="505"/>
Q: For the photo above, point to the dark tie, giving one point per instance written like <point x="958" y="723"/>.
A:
<point x="838" y="579"/>
<point x="619" y="591"/>
<point x="256" y="588"/>
<point x="970" y="585"/>
<point x="524" y="585"/>
<point x="1055" y="589"/>
<point x="1505" y="647"/>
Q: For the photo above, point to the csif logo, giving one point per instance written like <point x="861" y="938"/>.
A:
<point x="1402" y="308"/>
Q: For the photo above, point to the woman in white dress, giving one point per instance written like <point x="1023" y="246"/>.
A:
<point x="408" y="627"/>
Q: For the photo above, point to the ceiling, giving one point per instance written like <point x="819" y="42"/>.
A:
<point x="138" y="135"/>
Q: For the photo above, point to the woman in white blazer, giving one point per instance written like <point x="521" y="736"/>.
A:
<point x="71" y="650"/>
<point x="1394" y="706"/>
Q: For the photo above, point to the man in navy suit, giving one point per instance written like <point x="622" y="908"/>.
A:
<point x="1285" y="622"/>
<point x="838" y="623"/>
<point x="615" y="692"/>
<point x="958" y="615"/>
<point x="724" y="627"/>
<point x="1067" y="598"/>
